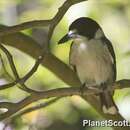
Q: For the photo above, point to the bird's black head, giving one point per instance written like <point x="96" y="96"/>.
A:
<point x="83" y="26"/>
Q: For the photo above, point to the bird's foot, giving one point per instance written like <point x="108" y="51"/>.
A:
<point x="83" y="88"/>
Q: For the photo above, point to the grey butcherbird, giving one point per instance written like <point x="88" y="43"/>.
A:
<point x="93" y="58"/>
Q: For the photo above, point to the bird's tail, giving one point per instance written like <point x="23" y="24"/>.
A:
<point x="107" y="103"/>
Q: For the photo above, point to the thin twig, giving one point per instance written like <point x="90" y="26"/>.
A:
<point x="17" y="78"/>
<point x="10" y="59"/>
<point x="36" y="107"/>
<point x="33" y="70"/>
<point x="14" y="82"/>
<point x="51" y="22"/>
<point x="8" y="85"/>
<point x="23" y="26"/>
<point x="57" y="18"/>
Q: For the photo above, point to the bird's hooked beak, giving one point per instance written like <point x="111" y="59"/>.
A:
<point x="70" y="35"/>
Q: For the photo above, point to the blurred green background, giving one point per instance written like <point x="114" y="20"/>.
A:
<point x="67" y="113"/>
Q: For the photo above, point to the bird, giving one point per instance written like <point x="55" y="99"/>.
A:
<point x="93" y="59"/>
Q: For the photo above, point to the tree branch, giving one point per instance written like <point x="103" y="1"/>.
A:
<point x="13" y="108"/>
<point x="36" y="107"/>
<point x="23" y="26"/>
<point x="19" y="80"/>
<point x="60" y="92"/>
<point x="51" y="22"/>
<point x="62" y="10"/>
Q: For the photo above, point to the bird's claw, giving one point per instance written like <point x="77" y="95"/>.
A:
<point x="92" y="88"/>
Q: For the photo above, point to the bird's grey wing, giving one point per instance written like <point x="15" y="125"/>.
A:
<point x="111" y="50"/>
<point x="107" y="101"/>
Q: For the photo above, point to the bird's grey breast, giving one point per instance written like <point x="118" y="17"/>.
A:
<point x="92" y="60"/>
